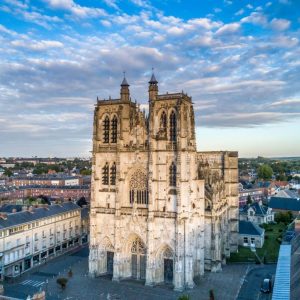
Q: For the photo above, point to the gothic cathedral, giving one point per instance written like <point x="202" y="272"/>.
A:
<point x="160" y="210"/>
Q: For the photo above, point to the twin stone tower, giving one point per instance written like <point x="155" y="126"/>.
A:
<point x="160" y="210"/>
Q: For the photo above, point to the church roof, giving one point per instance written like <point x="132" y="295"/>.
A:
<point x="124" y="82"/>
<point x="153" y="79"/>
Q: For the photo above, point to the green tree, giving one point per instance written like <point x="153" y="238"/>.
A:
<point x="8" y="172"/>
<point x="249" y="199"/>
<point x="85" y="172"/>
<point x="265" y="172"/>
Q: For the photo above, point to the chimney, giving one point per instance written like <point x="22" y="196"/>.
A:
<point x="3" y="216"/>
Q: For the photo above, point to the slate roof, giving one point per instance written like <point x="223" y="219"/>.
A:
<point x="292" y="204"/>
<point x="153" y="79"/>
<point x="260" y="210"/>
<point x="249" y="228"/>
<point x="85" y="211"/>
<point x="37" y="213"/>
<point x="124" y="82"/>
<point x="263" y="184"/>
<point x="287" y="194"/>
<point x="8" y="208"/>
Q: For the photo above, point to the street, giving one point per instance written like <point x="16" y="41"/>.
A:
<point x="250" y="289"/>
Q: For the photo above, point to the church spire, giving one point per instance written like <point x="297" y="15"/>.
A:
<point x="125" y="94"/>
<point x="153" y="88"/>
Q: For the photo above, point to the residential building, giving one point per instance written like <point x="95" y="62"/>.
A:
<point x="30" y="237"/>
<point x="255" y="194"/>
<point x="257" y="213"/>
<point x="160" y="210"/>
<point x="46" y="180"/>
<point x="251" y="235"/>
<point x="65" y="192"/>
<point x="280" y="204"/>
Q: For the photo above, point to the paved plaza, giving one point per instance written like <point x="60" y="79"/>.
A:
<point x="225" y="284"/>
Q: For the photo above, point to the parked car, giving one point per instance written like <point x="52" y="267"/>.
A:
<point x="266" y="285"/>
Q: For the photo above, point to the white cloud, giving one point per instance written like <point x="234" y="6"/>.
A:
<point x="240" y="12"/>
<point x="37" y="45"/>
<point x="106" y="23"/>
<point x="76" y="9"/>
<point x="228" y="28"/>
<point x="255" y="18"/>
<point x="280" y="24"/>
<point x="286" y="102"/>
<point x="111" y="3"/>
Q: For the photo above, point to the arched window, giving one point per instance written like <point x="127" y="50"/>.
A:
<point x="138" y="188"/>
<point x="113" y="173"/>
<point x="114" y="129"/>
<point x="172" y="174"/>
<point x="173" y="127"/>
<point x="106" y="130"/>
<point x="105" y="174"/>
<point x="163" y="121"/>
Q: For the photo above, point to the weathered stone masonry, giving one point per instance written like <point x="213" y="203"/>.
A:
<point x="160" y="210"/>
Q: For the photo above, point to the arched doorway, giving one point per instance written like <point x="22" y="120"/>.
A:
<point x="168" y="263"/>
<point x="138" y="259"/>
<point x="109" y="249"/>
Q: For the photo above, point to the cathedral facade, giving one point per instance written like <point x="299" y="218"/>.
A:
<point x="160" y="210"/>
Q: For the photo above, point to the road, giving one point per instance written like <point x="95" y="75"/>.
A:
<point x="250" y="289"/>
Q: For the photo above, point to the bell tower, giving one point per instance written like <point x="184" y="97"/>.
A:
<point x="125" y="94"/>
<point x="153" y="88"/>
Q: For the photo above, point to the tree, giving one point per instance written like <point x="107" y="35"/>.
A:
<point x="8" y="172"/>
<point x="249" y="199"/>
<point x="85" y="172"/>
<point x="265" y="172"/>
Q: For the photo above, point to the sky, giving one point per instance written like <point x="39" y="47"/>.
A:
<point x="238" y="60"/>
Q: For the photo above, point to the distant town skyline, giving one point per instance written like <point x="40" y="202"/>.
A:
<point x="239" y="60"/>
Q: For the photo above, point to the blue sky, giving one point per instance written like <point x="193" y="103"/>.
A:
<point x="239" y="60"/>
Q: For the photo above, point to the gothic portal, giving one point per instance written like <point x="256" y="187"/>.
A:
<point x="160" y="210"/>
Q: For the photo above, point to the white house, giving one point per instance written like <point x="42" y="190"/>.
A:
<point x="257" y="213"/>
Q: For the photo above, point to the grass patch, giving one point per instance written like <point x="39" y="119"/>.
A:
<point x="268" y="253"/>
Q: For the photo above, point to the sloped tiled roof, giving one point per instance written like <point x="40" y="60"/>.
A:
<point x="8" y="208"/>
<point x="292" y="204"/>
<point x="249" y="228"/>
<point x="259" y="209"/>
<point x="36" y="214"/>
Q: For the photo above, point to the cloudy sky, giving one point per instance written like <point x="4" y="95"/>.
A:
<point x="239" y="60"/>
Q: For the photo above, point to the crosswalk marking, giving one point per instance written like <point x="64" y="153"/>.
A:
<point x="34" y="283"/>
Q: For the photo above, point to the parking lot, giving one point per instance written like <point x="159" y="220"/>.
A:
<point x="81" y="286"/>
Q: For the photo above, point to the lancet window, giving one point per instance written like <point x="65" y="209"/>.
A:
<point x="172" y="174"/>
<point x="113" y="173"/>
<point x="163" y="121"/>
<point x="106" y="130"/>
<point x="138" y="188"/>
<point x="105" y="174"/>
<point x="173" y="127"/>
<point x="114" y="129"/>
